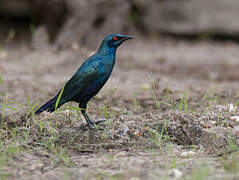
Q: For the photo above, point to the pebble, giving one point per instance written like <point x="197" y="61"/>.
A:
<point x="75" y="46"/>
<point x="187" y="154"/>
<point x="231" y="108"/>
<point x="125" y="129"/>
<point x="236" y="118"/>
<point x="175" y="173"/>
<point x="235" y="131"/>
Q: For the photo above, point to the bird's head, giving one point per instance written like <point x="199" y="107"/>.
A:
<point x="114" y="40"/>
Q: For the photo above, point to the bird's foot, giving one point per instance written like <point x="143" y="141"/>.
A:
<point x="92" y="124"/>
<point x="99" y="121"/>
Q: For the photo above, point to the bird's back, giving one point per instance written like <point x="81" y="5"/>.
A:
<point x="103" y="65"/>
<point x="89" y="78"/>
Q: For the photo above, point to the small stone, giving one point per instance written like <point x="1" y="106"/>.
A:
<point x="75" y="46"/>
<point x="206" y="125"/>
<point x="134" y="133"/>
<point x="176" y="173"/>
<point x="231" y="108"/>
<point x="236" y="118"/>
<point x="125" y="129"/>
<point x="187" y="154"/>
<point x="214" y="122"/>
<point x="235" y="131"/>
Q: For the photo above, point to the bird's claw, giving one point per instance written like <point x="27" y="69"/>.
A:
<point x="99" y="121"/>
<point x="92" y="124"/>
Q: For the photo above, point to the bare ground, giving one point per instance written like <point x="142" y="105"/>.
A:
<point x="171" y="110"/>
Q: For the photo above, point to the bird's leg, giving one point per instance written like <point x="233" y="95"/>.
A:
<point x="90" y="123"/>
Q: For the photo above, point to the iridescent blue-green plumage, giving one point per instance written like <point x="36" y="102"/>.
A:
<point x="89" y="78"/>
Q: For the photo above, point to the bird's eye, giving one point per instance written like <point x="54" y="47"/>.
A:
<point x="115" y="38"/>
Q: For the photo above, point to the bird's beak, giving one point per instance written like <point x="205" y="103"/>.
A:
<point x="123" y="38"/>
<point x="128" y="37"/>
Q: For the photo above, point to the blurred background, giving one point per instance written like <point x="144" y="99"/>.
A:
<point x="84" y="22"/>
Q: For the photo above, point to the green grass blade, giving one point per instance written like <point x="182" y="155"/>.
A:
<point x="235" y="104"/>
<point x="59" y="98"/>
<point x="1" y="79"/>
<point x="105" y="112"/>
<point x="183" y="104"/>
<point x="32" y="108"/>
<point x="186" y="101"/>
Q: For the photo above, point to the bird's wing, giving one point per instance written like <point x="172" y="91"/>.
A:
<point x="83" y="78"/>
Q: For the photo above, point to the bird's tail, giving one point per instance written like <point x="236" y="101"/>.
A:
<point x="49" y="106"/>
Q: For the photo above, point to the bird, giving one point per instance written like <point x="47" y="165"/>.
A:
<point x="89" y="78"/>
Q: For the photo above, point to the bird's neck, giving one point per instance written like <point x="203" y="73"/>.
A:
<point x="106" y="50"/>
